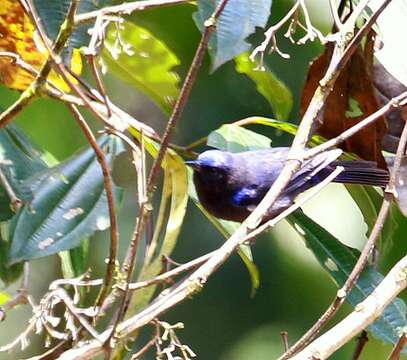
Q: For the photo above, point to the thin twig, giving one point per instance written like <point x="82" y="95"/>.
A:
<point x="125" y="9"/>
<point x="31" y="92"/>
<point x="99" y="82"/>
<point x="363" y="258"/>
<point x="392" y="105"/>
<point x="144" y="349"/>
<point x="395" y="354"/>
<point x="15" y="201"/>
<point x="63" y="295"/>
<point x="179" y="106"/>
<point x="59" y="65"/>
<point x="270" y="36"/>
<point x="154" y="341"/>
<point x="364" y="314"/>
<point x="335" y="15"/>
<point x="284" y="339"/>
<point x="172" y="273"/>
<point x="299" y="203"/>
<point x="108" y="185"/>
<point x="21" y="297"/>
<point x="360" y="345"/>
<point x="197" y="279"/>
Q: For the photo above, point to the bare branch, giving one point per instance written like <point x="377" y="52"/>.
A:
<point x="108" y="185"/>
<point x="195" y="281"/>
<point x="360" y="345"/>
<point x="125" y="9"/>
<point x="363" y="258"/>
<point x="21" y="297"/>
<point x="179" y="106"/>
<point x="364" y="314"/>
<point x="395" y="354"/>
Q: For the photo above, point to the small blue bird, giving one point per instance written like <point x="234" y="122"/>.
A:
<point x="231" y="185"/>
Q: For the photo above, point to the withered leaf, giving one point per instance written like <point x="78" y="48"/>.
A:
<point x="352" y="99"/>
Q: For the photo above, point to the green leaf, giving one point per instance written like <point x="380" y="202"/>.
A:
<point x="4" y="297"/>
<point x="354" y="110"/>
<point x="234" y="138"/>
<point x="237" y="21"/>
<point x="74" y="262"/>
<point x="338" y="260"/>
<point x="69" y="204"/>
<point x="273" y="89"/>
<point x="137" y="57"/>
<point x="53" y="13"/>
<point x="175" y="193"/>
<point x="285" y="126"/>
<point x="19" y="159"/>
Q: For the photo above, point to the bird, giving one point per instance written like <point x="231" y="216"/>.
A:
<point x="230" y="185"/>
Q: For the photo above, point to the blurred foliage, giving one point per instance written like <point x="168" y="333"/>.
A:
<point x="136" y="56"/>
<point x="223" y="322"/>
<point x="274" y="90"/>
<point x="237" y="21"/>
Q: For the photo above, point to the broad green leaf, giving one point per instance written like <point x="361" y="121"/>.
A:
<point x="272" y="88"/>
<point x="4" y="297"/>
<point x="237" y="21"/>
<point x="338" y="260"/>
<point x="137" y="57"/>
<point x="235" y="138"/>
<point x="19" y="159"/>
<point x="68" y="205"/>
<point x="53" y="13"/>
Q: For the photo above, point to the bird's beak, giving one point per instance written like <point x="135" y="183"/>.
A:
<point x="194" y="164"/>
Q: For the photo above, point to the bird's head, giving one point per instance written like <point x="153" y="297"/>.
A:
<point x="212" y="166"/>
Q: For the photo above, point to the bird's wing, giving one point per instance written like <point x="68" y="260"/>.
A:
<point x="310" y="169"/>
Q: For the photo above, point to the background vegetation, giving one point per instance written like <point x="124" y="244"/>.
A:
<point x="224" y="321"/>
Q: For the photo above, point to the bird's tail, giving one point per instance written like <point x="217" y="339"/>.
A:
<point x="362" y="173"/>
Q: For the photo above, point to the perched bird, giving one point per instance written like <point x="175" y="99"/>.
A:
<point x="231" y="185"/>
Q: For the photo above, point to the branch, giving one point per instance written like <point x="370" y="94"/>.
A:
<point x="195" y="281"/>
<point x="31" y="92"/>
<point x="392" y="105"/>
<point x="363" y="258"/>
<point x="21" y="297"/>
<point x="171" y="273"/>
<point x="108" y="185"/>
<point x="360" y="345"/>
<point x="125" y="9"/>
<point x="364" y="314"/>
<point x="144" y="213"/>
<point x="395" y="354"/>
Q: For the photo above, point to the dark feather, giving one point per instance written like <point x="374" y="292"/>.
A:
<point x="230" y="185"/>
